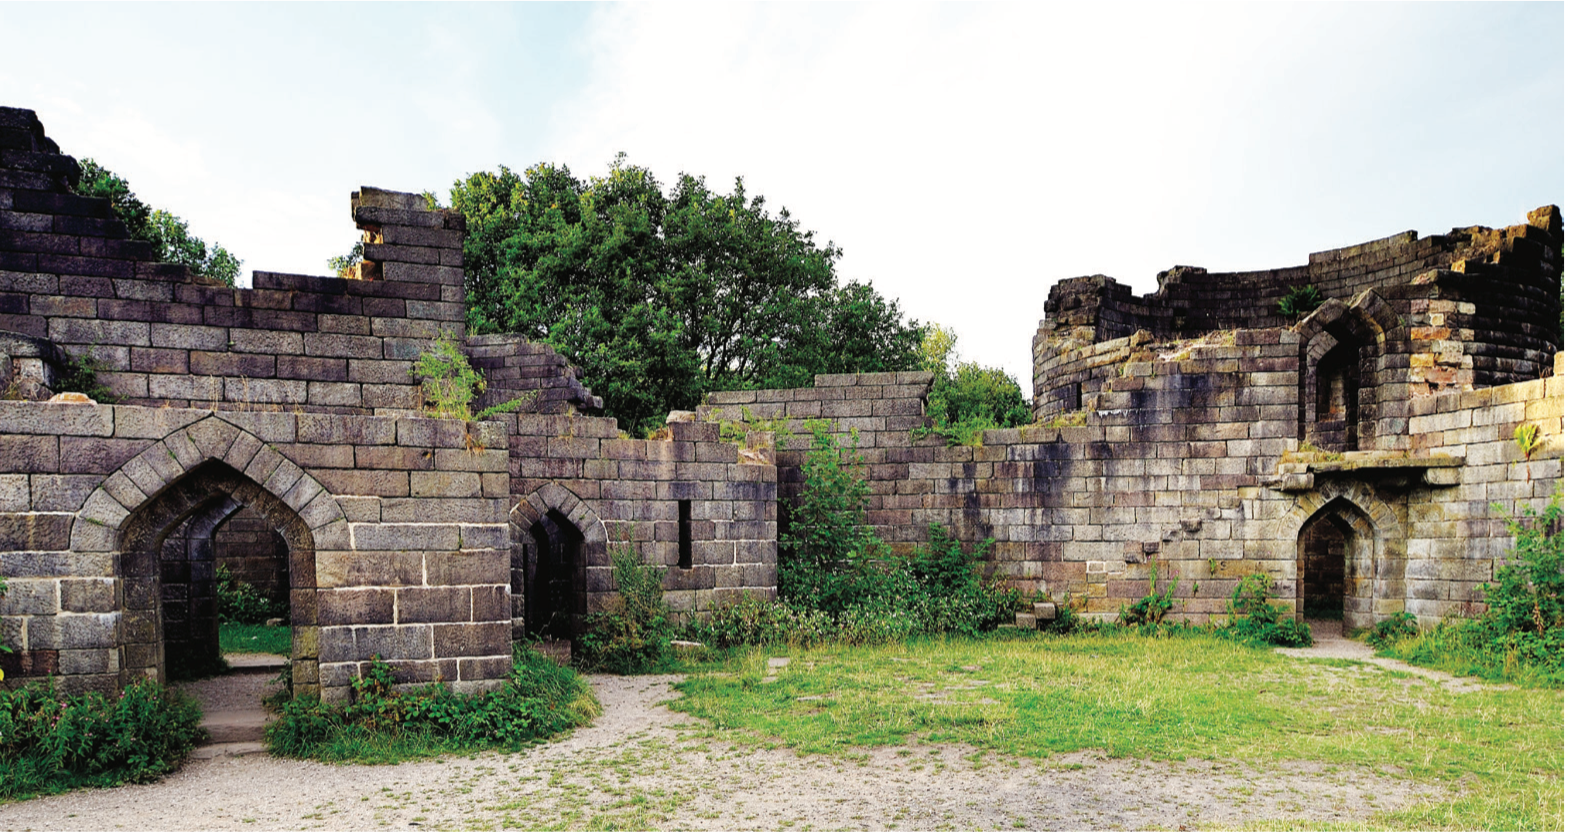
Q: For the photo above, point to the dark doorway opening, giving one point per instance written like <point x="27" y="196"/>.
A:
<point x="1321" y="568"/>
<point x="555" y="592"/>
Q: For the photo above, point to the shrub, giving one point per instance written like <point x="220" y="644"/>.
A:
<point x="634" y="636"/>
<point x="937" y="591"/>
<point x="828" y="554"/>
<point x="1525" y="602"/>
<point x="240" y="602"/>
<point x="1253" y="619"/>
<point x="1392" y="629"/>
<point x="1520" y="637"/>
<point x="839" y="582"/>
<point x="50" y="742"/>
<point x="382" y="725"/>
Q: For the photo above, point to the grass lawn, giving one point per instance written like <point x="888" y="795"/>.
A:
<point x="1500" y="751"/>
<point x="275" y="640"/>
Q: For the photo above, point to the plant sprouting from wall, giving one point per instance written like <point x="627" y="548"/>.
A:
<point x="451" y="384"/>
<point x="1300" y="301"/>
<point x="1528" y="438"/>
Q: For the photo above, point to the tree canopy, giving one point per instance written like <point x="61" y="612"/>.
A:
<point x="662" y="295"/>
<point x="168" y="233"/>
<point x="967" y="398"/>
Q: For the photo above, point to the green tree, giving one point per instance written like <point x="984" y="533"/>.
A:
<point x="169" y="234"/>
<point x="661" y="296"/>
<point x="966" y="397"/>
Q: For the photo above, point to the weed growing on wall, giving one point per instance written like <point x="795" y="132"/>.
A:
<point x="51" y="742"/>
<point x="80" y="375"/>
<point x="736" y="431"/>
<point x="451" y="384"/>
<point x="1299" y="301"/>
<point x="541" y="698"/>
<point x="1152" y="608"/>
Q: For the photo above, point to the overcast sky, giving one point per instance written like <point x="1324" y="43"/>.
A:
<point x="963" y="156"/>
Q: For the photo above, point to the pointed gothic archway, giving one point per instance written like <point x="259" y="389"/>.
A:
<point x="560" y="564"/>
<point x="187" y="485"/>
<point x="1349" y="550"/>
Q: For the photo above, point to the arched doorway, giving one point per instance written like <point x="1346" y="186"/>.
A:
<point x="166" y="558"/>
<point x="1335" y="565"/>
<point x="555" y="595"/>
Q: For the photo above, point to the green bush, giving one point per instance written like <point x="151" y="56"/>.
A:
<point x="936" y="591"/>
<point x="838" y="581"/>
<point x="50" y="742"/>
<point x="1253" y="619"/>
<point x="382" y="725"/>
<point x="829" y="557"/>
<point x="1520" y="637"/>
<point x="240" y="602"/>
<point x="1525" y="602"/>
<point x="1392" y="629"/>
<point x="634" y="635"/>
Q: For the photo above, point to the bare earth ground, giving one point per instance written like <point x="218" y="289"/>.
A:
<point x="639" y="767"/>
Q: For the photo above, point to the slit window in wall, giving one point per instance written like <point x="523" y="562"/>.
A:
<point x="684" y="534"/>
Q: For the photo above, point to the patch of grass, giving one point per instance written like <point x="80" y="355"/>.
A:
<point x="383" y="726"/>
<point x="1447" y="648"/>
<point x="1499" y="753"/>
<point x="272" y="640"/>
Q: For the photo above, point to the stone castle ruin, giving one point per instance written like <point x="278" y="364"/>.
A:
<point x="1353" y="455"/>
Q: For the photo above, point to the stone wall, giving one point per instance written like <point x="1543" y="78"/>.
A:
<point x="292" y="405"/>
<point x="1192" y="467"/>
<point x="408" y="562"/>
<point x="1454" y="526"/>
<point x="1492" y="289"/>
<point x="1189" y="435"/>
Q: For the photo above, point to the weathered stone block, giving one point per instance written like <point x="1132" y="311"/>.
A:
<point x="354" y="606"/>
<point x="444" y="484"/>
<point x="435" y="605"/>
<point x="405" y="536"/>
<point x="467" y="567"/>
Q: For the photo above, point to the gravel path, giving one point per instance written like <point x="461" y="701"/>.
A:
<point x="641" y="767"/>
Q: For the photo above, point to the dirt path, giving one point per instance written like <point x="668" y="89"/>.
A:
<point x="639" y="767"/>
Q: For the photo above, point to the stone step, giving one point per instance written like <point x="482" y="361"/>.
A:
<point x="241" y="663"/>
<point x="228" y="749"/>
<point x="1025" y="620"/>
<point x="1045" y="611"/>
<point x="234" y="726"/>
